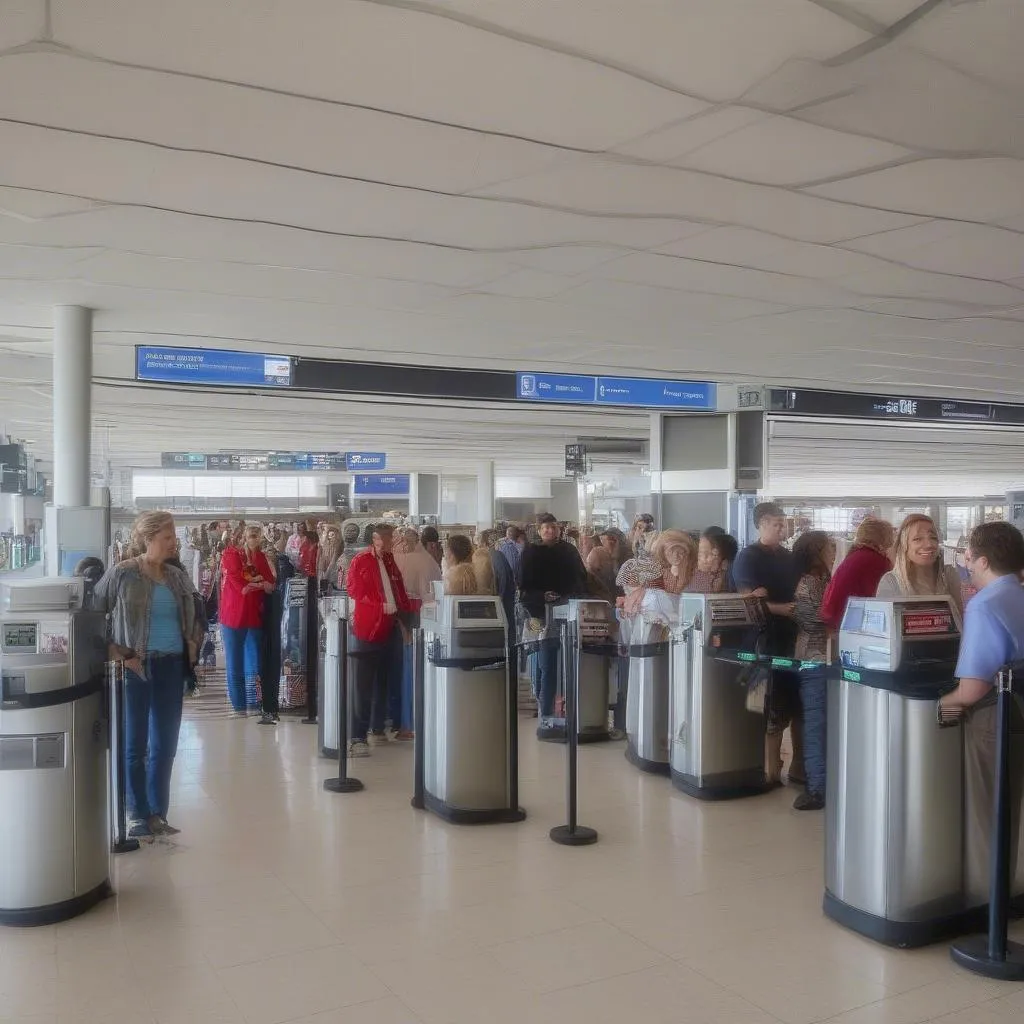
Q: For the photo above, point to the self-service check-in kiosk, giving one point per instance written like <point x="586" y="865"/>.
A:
<point x="333" y="619"/>
<point x="54" y="834"/>
<point x="597" y="639"/>
<point x="717" y="744"/>
<point x="894" y="840"/>
<point x="467" y="733"/>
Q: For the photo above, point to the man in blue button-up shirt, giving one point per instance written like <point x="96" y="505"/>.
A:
<point x="993" y="636"/>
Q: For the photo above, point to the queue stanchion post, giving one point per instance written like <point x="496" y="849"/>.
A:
<point x="572" y="833"/>
<point x="120" y="843"/>
<point x="512" y="678"/>
<point x="419" y="723"/>
<point x="344" y="783"/>
<point x="993" y="955"/>
<point x="312" y="648"/>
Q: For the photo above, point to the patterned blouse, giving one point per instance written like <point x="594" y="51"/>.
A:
<point x="812" y="639"/>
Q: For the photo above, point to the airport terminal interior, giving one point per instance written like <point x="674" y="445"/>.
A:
<point x="602" y="273"/>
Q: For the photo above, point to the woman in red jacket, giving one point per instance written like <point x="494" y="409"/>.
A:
<point x="246" y="577"/>
<point x="375" y="585"/>
<point x="859" y="572"/>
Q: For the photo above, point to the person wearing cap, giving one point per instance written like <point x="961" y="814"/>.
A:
<point x="766" y="569"/>
<point x="551" y="572"/>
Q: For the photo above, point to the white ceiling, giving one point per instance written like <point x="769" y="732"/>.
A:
<point x="816" y="191"/>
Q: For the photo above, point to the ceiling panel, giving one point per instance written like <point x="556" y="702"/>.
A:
<point x="378" y="56"/>
<point x="606" y="187"/>
<point x="765" y="189"/>
<point x="681" y="41"/>
<point x="982" y="189"/>
<point x="783" y="151"/>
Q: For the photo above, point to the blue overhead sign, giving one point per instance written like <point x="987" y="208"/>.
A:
<point x="365" y="460"/>
<point x="556" y="387"/>
<point x="639" y="392"/>
<point x="656" y="394"/>
<point x="380" y="485"/>
<point x="216" y="367"/>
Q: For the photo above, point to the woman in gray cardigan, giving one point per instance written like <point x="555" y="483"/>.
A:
<point x="153" y="628"/>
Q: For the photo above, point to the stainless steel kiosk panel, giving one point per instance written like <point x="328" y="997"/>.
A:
<point x="466" y="727"/>
<point x="597" y="632"/>
<point x="894" y="842"/>
<point x="647" y="697"/>
<point x="717" y="744"/>
<point x="333" y="615"/>
<point x="54" y="834"/>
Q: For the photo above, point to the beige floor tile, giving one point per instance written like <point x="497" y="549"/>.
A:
<point x="380" y="1011"/>
<point x="300" y="984"/>
<point x="280" y="903"/>
<point x="575" y="956"/>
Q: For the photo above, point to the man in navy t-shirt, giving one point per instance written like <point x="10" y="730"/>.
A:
<point x="765" y="569"/>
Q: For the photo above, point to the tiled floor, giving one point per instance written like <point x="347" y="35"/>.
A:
<point x="280" y="902"/>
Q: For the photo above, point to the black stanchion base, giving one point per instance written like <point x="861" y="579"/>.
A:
<point x="348" y="785"/>
<point x="972" y="955"/>
<point x="578" y="836"/>
<point x="309" y="721"/>
<point x="126" y="846"/>
<point x="556" y="732"/>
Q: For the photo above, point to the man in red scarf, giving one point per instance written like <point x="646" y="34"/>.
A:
<point x="374" y="582"/>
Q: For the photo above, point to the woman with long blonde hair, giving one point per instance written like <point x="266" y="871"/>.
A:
<point x="918" y="569"/>
<point x="154" y="630"/>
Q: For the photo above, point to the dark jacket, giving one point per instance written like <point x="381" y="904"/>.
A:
<point x="557" y="568"/>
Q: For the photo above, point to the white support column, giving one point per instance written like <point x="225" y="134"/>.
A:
<point x="484" y="496"/>
<point x="72" y="405"/>
<point x="414" y="494"/>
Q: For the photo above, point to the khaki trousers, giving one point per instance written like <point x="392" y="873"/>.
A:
<point x="979" y="794"/>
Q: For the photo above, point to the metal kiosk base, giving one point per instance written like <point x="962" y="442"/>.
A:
<point x="651" y="767"/>
<point x="727" y="786"/>
<point x="54" y="913"/>
<point x="460" y="816"/>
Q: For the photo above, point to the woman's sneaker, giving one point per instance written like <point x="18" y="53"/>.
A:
<point x="359" y="748"/>
<point x="268" y="719"/>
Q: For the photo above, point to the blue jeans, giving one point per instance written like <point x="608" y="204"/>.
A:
<point x="544" y="674"/>
<point x="243" y="654"/>
<point x="814" y="698"/>
<point x="152" y="718"/>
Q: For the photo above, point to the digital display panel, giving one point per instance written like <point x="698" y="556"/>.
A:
<point x="479" y="610"/>
<point x="20" y="636"/>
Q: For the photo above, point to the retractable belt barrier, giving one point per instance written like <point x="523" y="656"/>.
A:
<point x="343" y="783"/>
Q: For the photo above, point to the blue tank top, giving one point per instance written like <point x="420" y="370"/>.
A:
<point x="164" y="622"/>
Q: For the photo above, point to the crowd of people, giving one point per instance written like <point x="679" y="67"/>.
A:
<point x="161" y="598"/>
